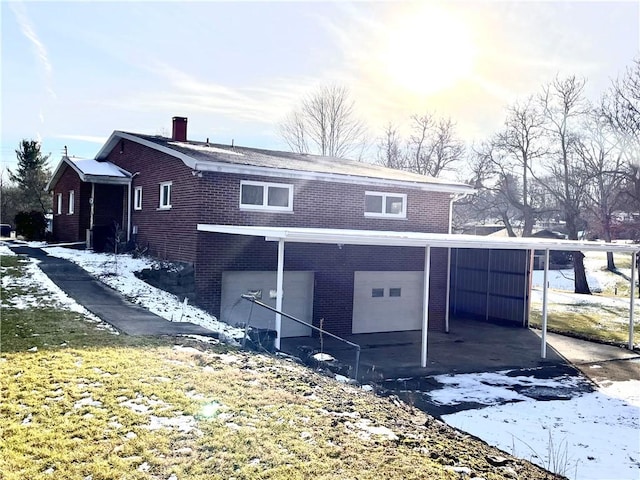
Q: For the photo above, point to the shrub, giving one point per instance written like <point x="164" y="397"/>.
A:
<point x="31" y="225"/>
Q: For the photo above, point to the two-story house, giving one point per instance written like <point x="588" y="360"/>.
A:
<point x="186" y="200"/>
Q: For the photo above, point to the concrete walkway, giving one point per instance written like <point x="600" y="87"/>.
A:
<point x="104" y="302"/>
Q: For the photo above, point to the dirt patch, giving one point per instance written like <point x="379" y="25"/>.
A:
<point x="612" y="370"/>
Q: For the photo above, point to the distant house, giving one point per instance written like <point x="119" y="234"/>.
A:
<point x="557" y="259"/>
<point x="176" y="196"/>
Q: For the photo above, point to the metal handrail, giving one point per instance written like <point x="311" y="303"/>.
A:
<point x="253" y="299"/>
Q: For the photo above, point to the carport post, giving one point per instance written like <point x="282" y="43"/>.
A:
<point x="425" y="305"/>
<point x="279" y="283"/>
<point x="632" y="294"/>
<point x="543" y="348"/>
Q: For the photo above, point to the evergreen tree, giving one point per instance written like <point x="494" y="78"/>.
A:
<point x="31" y="177"/>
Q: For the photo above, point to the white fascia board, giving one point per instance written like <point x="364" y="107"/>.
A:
<point x="224" y="167"/>
<point x="412" y="239"/>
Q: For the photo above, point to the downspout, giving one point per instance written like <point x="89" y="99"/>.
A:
<point x="129" y="210"/>
<point x="92" y="201"/>
<point x="454" y="198"/>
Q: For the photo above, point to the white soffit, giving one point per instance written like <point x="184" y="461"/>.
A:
<point x="413" y="239"/>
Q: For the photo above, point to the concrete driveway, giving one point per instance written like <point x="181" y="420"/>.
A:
<point x="470" y="347"/>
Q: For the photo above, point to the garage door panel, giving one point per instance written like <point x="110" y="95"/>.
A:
<point x="387" y="301"/>
<point x="297" y="300"/>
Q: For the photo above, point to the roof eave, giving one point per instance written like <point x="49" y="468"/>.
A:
<point x="220" y="166"/>
<point x="412" y="239"/>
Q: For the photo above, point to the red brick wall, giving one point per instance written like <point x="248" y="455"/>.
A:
<point x="334" y="272"/>
<point x="169" y="234"/>
<point x="322" y="205"/>
<point x="214" y="198"/>
<point x="71" y="228"/>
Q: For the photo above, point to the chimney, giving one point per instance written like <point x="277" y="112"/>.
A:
<point x="179" y="132"/>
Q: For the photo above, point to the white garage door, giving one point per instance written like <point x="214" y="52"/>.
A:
<point x="387" y="301"/>
<point x="297" y="300"/>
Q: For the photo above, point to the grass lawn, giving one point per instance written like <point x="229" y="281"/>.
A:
<point x="79" y="402"/>
<point x="584" y="316"/>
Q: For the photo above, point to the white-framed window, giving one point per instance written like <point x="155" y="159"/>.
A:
<point x="72" y="198"/>
<point x="137" y="198"/>
<point x="266" y="196"/>
<point x="165" y="195"/>
<point x="59" y="204"/>
<point x="383" y="204"/>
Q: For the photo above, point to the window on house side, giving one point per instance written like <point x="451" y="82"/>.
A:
<point x="59" y="209"/>
<point x="381" y="204"/>
<point x="72" y="196"/>
<point x="377" y="292"/>
<point x="266" y="196"/>
<point x="137" y="198"/>
<point x="395" y="292"/>
<point x="165" y="195"/>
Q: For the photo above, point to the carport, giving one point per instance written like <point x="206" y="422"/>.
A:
<point x="283" y="235"/>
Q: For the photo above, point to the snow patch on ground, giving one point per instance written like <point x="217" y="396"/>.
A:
<point x="492" y="388"/>
<point x="45" y="294"/>
<point x="590" y="436"/>
<point x="118" y="271"/>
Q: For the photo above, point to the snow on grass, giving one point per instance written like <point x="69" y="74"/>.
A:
<point x="4" y="250"/>
<point x="119" y="273"/>
<point x="45" y="293"/>
<point x="590" y="436"/>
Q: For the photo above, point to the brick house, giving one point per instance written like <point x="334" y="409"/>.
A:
<point x="177" y="196"/>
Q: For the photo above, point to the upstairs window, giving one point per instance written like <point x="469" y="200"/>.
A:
<point x="266" y="196"/>
<point x="165" y="195"/>
<point x="381" y="204"/>
<point x="137" y="198"/>
<point x="59" y="203"/>
<point x="72" y="197"/>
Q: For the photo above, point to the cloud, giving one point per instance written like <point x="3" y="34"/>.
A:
<point x="263" y="104"/>
<point x="83" y="138"/>
<point x="27" y="29"/>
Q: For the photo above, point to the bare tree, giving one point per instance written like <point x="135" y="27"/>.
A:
<point x="433" y="147"/>
<point x="327" y="121"/>
<point x="563" y="107"/>
<point x="621" y="108"/>
<point x="390" y="152"/>
<point x="293" y="131"/>
<point x="602" y="160"/>
<point x="519" y="147"/>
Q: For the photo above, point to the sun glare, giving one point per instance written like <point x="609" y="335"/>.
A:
<point x="428" y="51"/>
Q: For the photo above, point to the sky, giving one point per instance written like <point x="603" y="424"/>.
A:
<point x="73" y="72"/>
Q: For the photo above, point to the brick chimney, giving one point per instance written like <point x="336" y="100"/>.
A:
<point x="179" y="131"/>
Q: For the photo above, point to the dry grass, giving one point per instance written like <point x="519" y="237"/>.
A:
<point x="91" y="405"/>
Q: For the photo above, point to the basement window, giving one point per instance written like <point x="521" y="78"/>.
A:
<point x="395" y="292"/>
<point x="137" y="198"/>
<point x="382" y="204"/>
<point x="277" y="197"/>
<point x="377" y="292"/>
<point x="165" y="195"/>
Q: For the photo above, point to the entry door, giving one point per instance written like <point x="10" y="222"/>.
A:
<point x="297" y="300"/>
<point x="387" y="301"/>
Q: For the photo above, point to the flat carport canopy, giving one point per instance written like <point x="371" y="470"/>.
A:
<point x="283" y="235"/>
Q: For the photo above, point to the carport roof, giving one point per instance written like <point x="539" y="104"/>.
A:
<point x="413" y="239"/>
